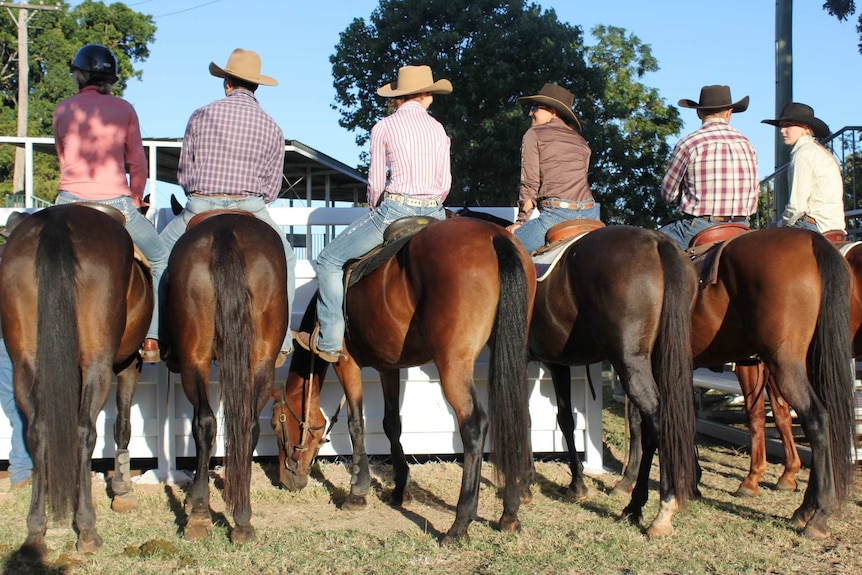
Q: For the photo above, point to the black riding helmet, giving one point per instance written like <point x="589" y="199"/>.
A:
<point x="98" y="60"/>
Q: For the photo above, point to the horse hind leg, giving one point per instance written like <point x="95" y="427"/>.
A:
<point x="124" y="498"/>
<point x="199" y="523"/>
<point x="392" y="427"/>
<point x="561" y="377"/>
<point x="751" y="381"/>
<point x="784" y="424"/>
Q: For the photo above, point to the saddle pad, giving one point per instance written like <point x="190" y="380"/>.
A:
<point x="546" y="259"/>
<point x="198" y="218"/>
<point x="845" y="247"/>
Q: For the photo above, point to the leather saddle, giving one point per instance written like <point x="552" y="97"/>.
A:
<point x="395" y="237"/>
<point x="198" y="218"/>
<point x="557" y="239"/>
<point x="706" y="248"/>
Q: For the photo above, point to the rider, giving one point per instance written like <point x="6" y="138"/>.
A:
<point x="414" y="148"/>
<point x="555" y="159"/>
<point x="96" y="136"/>
<point x="816" y="186"/>
<point x="233" y="158"/>
<point x="713" y="170"/>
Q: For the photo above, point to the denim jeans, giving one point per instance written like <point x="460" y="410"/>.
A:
<point x="144" y="235"/>
<point x="252" y="204"/>
<point x="20" y="464"/>
<point x="362" y="236"/>
<point x="683" y="230"/>
<point x="532" y="232"/>
<point x="802" y="224"/>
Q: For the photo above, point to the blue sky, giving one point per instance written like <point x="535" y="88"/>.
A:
<point x="696" y="43"/>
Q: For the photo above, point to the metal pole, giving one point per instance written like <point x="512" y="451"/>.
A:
<point x="783" y="94"/>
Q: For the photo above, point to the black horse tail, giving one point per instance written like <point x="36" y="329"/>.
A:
<point x="234" y="335"/>
<point x="829" y="359"/>
<point x="57" y="391"/>
<point x="673" y="371"/>
<point x="507" y="373"/>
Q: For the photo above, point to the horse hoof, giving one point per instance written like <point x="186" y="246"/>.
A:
<point x="197" y="529"/>
<point x="577" y="491"/>
<point x="622" y="489"/>
<point x="659" y="530"/>
<point x="510" y="524"/>
<point x="745" y="491"/>
<point x="32" y="552"/>
<point x="242" y="534"/>
<point x="526" y="495"/>
<point x="452" y="539"/>
<point x="786" y="485"/>
<point x="88" y="543"/>
<point x="123" y="503"/>
<point x="801" y="517"/>
<point x="354" y="503"/>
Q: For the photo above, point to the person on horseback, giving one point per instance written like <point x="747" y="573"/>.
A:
<point x="816" y="186"/>
<point x="233" y="158"/>
<point x="712" y="172"/>
<point x="409" y="175"/>
<point x="555" y="161"/>
<point x="96" y="136"/>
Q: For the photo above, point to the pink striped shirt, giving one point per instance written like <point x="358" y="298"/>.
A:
<point x="96" y="135"/>
<point x="415" y="148"/>
<point x="713" y="172"/>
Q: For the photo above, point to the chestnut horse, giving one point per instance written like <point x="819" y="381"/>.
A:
<point x="783" y="295"/>
<point x="456" y="286"/>
<point x="624" y="294"/>
<point x="75" y="307"/>
<point x="227" y="300"/>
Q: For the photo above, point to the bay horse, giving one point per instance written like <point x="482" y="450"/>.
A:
<point x="783" y="295"/>
<point x="624" y="294"/>
<point x="226" y="300"/>
<point x="455" y="287"/>
<point x="75" y="307"/>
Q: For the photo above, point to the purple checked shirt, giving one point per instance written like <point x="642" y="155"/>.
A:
<point x="232" y="147"/>
<point x="713" y="172"/>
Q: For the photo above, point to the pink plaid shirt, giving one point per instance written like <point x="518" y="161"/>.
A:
<point x="415" y="148"/>
<point x="232" y="147"/>
<point x="713" y="172"/>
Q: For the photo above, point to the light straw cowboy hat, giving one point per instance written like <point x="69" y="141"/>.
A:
<point x="558" y="98"/>
<point x="796" y="113"/>
<point x="245" y="65"/>
<point x="415" y="80"/>
<point x="716" y="98"/>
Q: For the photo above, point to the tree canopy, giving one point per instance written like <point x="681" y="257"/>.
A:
<point x="54" y="37"/>
<point x="494" y="52"/>
<point x="843" y="9"/>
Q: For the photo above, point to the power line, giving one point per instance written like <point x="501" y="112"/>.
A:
<point x="187" y="9"/>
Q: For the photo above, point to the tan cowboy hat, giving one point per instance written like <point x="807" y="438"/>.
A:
<point x="559" y="99"/>
<point x="245" y="65"/>
<point x="414" y="80"/>
<point x="716" y="98"/>
<point x="796" y="113"/>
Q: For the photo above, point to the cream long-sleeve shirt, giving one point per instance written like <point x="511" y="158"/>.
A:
<point x="816" y="187"/>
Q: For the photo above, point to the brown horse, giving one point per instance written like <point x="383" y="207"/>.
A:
<point x="624" y="294"/>
<point x="783" y="295"/>
<point x="458" y="285"/>
<point x="75" y="307"/>
<point x="227" y="300"/>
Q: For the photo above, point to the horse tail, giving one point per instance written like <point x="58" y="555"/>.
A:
<point x="829" y="360"/>
<point x="57" y="392"/>
<point x="673" y="370"/>
<point x="234" y="335"/>
<point x="507" y="382"/>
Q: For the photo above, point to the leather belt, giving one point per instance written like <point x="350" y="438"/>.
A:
<point x="809" y="219"/>
<point x="415" y="202"/>
<point x="547" y="203"/>
<point x="230" y="196"/>
<point x="721" y="219"/>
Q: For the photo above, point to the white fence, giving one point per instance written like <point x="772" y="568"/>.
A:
<point x="161" y="414"/>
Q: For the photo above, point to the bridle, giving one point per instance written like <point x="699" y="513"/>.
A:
<point x="294" y="451"/>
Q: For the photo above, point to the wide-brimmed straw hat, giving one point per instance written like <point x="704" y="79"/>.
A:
<point x="415" y="80"/>
<point x="797" y="113"/>
<point x="558" y="98"/>
<point x="716" y="98"/>
<point x="245" y="65"/>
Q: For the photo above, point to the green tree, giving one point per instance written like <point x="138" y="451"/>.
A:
<point x="54" y="37"/>
<point x="843" y="9"/>
<point x="493" y="52"/>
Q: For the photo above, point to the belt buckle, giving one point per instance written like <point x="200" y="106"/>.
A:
<point x="563" y="205"/>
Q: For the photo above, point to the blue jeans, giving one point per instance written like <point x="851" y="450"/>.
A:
<point x="802" y="224"/>
<point x="362" y="236"/>
<point x="252" y="204"/>
<point x="683" y="230"/>
<point x="144" y="235"/>
<point x="20" y="464"/>
<point x="532" y="232"/>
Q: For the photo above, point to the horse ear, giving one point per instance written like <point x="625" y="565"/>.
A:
<point x="176" y="207"/>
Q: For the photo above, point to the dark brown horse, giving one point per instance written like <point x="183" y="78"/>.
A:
<point x="624" y="294"/>
<point x="75" y="307"/>
<point x="458" y="285"/>
<point x="227" y="301"/>
<point x="784" y="296"/>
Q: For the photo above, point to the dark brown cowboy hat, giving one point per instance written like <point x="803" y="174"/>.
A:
<point x="559" y="99"/>
<point x="716" y="98"/>
<point x="245" y="65"/>
<point x="796" y="113"/>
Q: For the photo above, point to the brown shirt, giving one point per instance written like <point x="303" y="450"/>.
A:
<point x="554" y="163"/>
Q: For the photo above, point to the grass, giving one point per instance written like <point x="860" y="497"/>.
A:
<point x="306" y="532"/>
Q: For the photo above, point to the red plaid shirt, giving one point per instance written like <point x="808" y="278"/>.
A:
<point x="713" y="172"/>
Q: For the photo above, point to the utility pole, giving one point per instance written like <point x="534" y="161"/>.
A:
<point x="783" y="95"/>
<point x="23" y="19"/>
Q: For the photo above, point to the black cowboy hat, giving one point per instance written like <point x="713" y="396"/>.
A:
<point x="797" y="113"/>
<point x="559" y="99"/>
<point x="716" y="98"/>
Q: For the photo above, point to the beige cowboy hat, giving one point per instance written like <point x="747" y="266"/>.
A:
<point x="716" y="98"/>
<point x="245" y="65"/>
<point x="796" y="113"/>
<point x="415" y="80"/>
<point x="559" y="99"/>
